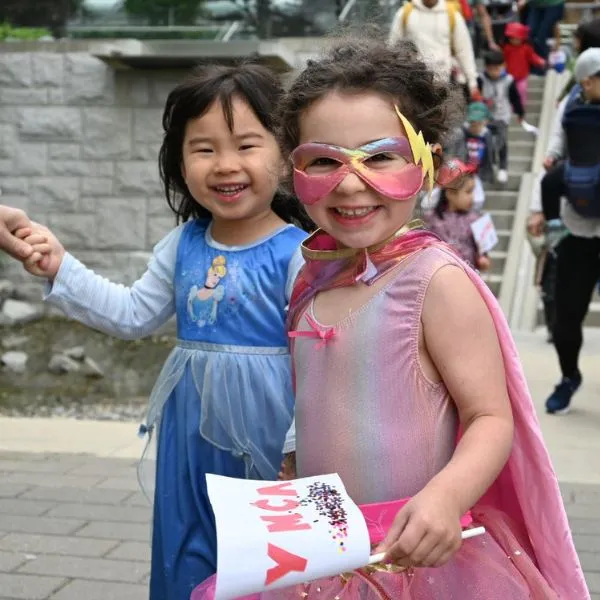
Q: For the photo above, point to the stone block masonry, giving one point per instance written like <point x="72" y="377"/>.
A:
<point x="79" y="151"/>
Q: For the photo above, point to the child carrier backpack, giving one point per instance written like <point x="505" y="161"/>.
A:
<point x="581" y="124"/>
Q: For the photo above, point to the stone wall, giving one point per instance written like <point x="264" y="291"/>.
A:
<point x="78" y="150"/>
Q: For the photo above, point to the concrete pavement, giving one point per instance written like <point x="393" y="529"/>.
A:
<point x="74" y="525"/>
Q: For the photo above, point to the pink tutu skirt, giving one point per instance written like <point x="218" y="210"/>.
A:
<point x="494" y="566"/>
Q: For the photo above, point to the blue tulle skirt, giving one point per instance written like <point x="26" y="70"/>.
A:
<point x="215" y="411"/>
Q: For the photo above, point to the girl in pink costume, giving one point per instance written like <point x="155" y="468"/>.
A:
<point x="407" y="380"/>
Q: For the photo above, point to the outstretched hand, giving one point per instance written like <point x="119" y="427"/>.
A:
<point x="426" y="532"/>
<point x="12" y="219"/>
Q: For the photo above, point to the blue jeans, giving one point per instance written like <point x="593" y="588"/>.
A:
<point x="541" y="22"/>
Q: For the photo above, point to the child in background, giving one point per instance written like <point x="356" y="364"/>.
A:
<point x="500" y="93"/>
<point x="474" y="144"/>
<point x="408" y="384"/>
<point x="223" y="401"/>
<point x="452" y="218"/>
<point x="519" y="57"/>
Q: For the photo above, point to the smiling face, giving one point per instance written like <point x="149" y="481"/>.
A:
<point x="234" y="174"/>
<point x="353" y="212"/>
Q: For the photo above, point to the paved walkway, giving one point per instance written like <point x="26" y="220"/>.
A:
<point x="74" y="526"/>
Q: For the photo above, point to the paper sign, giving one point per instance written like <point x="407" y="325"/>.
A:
<point x="484" y="233"/>
<point x="277" y="534"/>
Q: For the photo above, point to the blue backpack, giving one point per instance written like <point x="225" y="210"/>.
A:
<point x="581" y="123"/>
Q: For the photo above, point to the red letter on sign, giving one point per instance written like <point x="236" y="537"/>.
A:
<point x="285" y="522"/>
<point x="286" y="563"/>
<point x="277" y="490"/>
<point x="265" y="504"/>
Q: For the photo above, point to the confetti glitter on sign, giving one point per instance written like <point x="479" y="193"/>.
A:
<point x="328" y="502"/>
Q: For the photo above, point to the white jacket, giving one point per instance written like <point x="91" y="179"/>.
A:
<point x="429" y="29"/>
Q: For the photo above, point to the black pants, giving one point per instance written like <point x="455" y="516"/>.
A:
<point x="553" y="189"/>
<point x="577" y="273"/>
<point x="548" y="285"/>
<point x="499" y="131"/>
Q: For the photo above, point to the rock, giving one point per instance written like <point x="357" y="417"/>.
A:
<point x="7" y="289"/>
<point x="14" y="341"/>
<point x="76" y="353"/>
<point x="16" y="312"/>
<point x="60" y="364"/>
<point x="15" y="361"/>
<point x="92" y="369"/>
<point x="50" y="123"/>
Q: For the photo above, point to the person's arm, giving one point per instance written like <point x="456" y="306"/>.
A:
<point x="535" y="59"/>
<point x="463" y="49"/>
<point x="486" y="25"/>
<point x="462" y="342"/>
<point x="124" y="312"/>
<point x="480" y="83"/>
<point x="12" y="219"/>
<point x="515" y="100"/>
<point x="397" y="30"/>
<point x="567" y="89"/>
<point x="557" y="143"/>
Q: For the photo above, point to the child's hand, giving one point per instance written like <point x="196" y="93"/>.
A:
<point x="426" y="532"/>
<point x="48" y="252"/>
<point x="536" y="223"/>
<point x="484" y="263"/>
<point x="288" y="467"/>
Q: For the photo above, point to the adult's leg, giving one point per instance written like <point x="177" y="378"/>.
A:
<point x="547" y="19"/>
<point x="534" y="18"/>
<point x="577" y="272"/>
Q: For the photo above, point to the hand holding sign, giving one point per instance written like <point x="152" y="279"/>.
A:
<point x="484" y="233"/>
<point x="272" y="535"/>
<point x="275" y="535"/>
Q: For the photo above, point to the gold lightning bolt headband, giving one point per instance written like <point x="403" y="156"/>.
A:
<point x="396" y="167"/>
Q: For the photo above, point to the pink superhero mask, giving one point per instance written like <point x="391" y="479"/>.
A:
<point x="386" y="165"/>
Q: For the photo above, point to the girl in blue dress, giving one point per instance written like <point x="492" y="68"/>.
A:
<point x="223" y="401"/>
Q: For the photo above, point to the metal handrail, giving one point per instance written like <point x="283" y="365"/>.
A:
<point x="346" y="10"/>
<point x="520" y="298"/>
<point x="231" y="31"/>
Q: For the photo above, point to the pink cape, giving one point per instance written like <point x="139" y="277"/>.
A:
<point x="527" y="489"/>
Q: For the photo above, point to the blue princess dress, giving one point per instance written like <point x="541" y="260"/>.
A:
<point x="223" y="401"/>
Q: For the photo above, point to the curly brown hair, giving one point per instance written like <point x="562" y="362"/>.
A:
<point x="356" y="64"/>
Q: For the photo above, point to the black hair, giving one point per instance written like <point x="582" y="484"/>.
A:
<point x="254" y="84"/>
<point x="493" y="58"/>
<point x="358" y="64"/>
<point x="588" y="34"/>
<point x="442" y="205"/>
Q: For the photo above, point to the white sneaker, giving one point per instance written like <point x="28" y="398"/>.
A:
<point x="502" y="176"/>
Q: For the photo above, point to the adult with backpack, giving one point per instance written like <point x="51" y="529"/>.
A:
<point x="439" y="30"/>
<point x="577" y="178"/>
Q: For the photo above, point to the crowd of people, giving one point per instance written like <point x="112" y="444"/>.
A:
<point x="352" y="339"/>
<point x="565" y="220"/>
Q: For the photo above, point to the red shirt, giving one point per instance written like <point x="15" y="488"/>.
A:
<point x="520" y="59"/>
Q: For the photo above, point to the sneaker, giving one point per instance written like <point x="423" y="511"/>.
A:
<point x="560" y="399"/>
<point x="502" y="176"/>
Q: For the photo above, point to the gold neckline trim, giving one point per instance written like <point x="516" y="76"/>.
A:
<point x="340" y="253"/>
